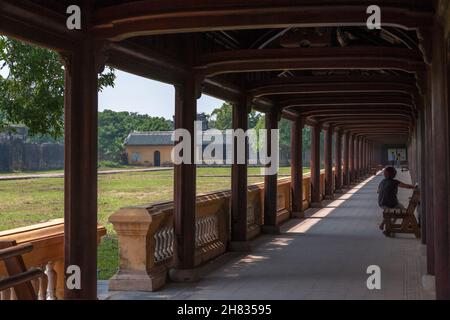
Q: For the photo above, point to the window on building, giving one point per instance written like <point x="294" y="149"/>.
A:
<point x="135" y="157"/>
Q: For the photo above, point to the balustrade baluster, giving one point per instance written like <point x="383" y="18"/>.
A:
<point x="51" y="280"/>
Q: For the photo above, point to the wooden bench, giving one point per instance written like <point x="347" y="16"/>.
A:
<point x="404" y="166"/>
<point x="402" y="220"/>
<point x="24" y="282"/>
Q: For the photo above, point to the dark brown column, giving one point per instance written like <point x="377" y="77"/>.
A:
<point x="367" y="156"/>
<point x="328" y="160"/>
<point x="358" y="158"/>
<point x="185" y="184"/>
<point x="364" y="157"/>
<point x="297" y="167"/>
<point x="351" y="148"/>
<point x="338" y="160"/>
<point x="270" y="181"/>
<point x="428" y="189"/>
<point x="80" y="168"/>
<point x="440" y="123"/>
<point x="346" y="165"/>
<point x="423" y="177"/>
<point x="239" y="180"/>
<point x="315" y="166"/>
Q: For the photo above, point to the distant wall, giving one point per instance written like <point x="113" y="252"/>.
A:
<point x="18" y="155"/>
<point x="385" y="155"/>
<point x="145" y="155"/>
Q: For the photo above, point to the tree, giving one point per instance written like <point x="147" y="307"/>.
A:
<point x="114" y="127"/>
<point x="222" y="118"/>
<point x="32" y="87"/>
<point x="284" y="127"/>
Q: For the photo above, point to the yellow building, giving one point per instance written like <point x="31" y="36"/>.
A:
<point x="151" y="148"/>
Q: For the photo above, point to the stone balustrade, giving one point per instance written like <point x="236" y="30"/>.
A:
<point x="48" y="254"/>
<point x="146" y="233"/>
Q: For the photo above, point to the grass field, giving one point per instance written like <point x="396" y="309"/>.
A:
<point x="25" y="202"/>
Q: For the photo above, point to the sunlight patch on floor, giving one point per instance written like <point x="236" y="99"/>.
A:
<point x="315" y="218"/>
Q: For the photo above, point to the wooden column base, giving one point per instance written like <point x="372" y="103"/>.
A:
<point x="184" y="275"/>
<point x="239" y="246"/>
<point x="137" y="281"/>
<point x="316" y="205"/>
<point x="271" y="230"/>
<point x="298" y="215"/>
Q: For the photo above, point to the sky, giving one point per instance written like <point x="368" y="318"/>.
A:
<point x="136" y="94"/>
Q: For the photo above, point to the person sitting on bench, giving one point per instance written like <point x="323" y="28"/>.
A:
<point x="388" y="189"/>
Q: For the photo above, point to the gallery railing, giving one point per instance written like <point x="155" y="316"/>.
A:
<point x="146" y="233"/>
<point x="48" y="254"/>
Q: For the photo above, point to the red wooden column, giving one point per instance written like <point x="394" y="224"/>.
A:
<point x="358" y="157"/>
<point x="338" y="160"/>
<point x="80" y="168"/>
<point x="297" y="167"/>
<point x="363" y="157"/>
<point x="367" y="156"/>
<point x="315" y="166"/>
<point x="346" y="165"/>
<point x="440" y="164"/>
<point x="239" y="181"/>
<point x="185" y="185"/>
<point x="351" y="157"/>
<point x="270" y="181"/>
<point x="328" y="160"/>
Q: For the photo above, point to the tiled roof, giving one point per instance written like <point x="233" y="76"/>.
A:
<point x="160" y="138"/>
<point x="150" y="138"/>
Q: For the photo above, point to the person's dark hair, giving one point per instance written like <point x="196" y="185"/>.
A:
<point x="390" y="172"/>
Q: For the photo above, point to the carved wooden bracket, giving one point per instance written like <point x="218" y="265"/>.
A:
<point x="426" y="43"/>
<point x="100" y="51"/>
<point x="422" y="82"/>
<point x="66" y="59"/>
<point x="101" y="55"/>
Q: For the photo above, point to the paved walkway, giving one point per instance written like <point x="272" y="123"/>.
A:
<point x="324" y="256"/>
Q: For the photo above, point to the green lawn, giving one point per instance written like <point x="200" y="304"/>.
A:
<point x="25" y="202"/>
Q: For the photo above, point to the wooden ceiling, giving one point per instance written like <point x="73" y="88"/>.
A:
<point x="314" y="58"/>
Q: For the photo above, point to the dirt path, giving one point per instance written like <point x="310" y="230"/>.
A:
<point x="61" y="175"/>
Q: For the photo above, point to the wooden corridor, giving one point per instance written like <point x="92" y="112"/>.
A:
<point x="315" y="63"/>
<point x="324" y="256"/>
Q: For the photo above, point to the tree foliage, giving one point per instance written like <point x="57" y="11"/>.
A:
<point x="222" y="118"/>
<point x="114" y="127"/>
<point x="32" y="87"/>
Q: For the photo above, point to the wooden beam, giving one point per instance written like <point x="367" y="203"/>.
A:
<point x="36" y="24"/>
<point x="133" y="19"/>
<point x="321" y="85"/>
<point x="348" y="99"/>
<point x="252" y="60"/>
